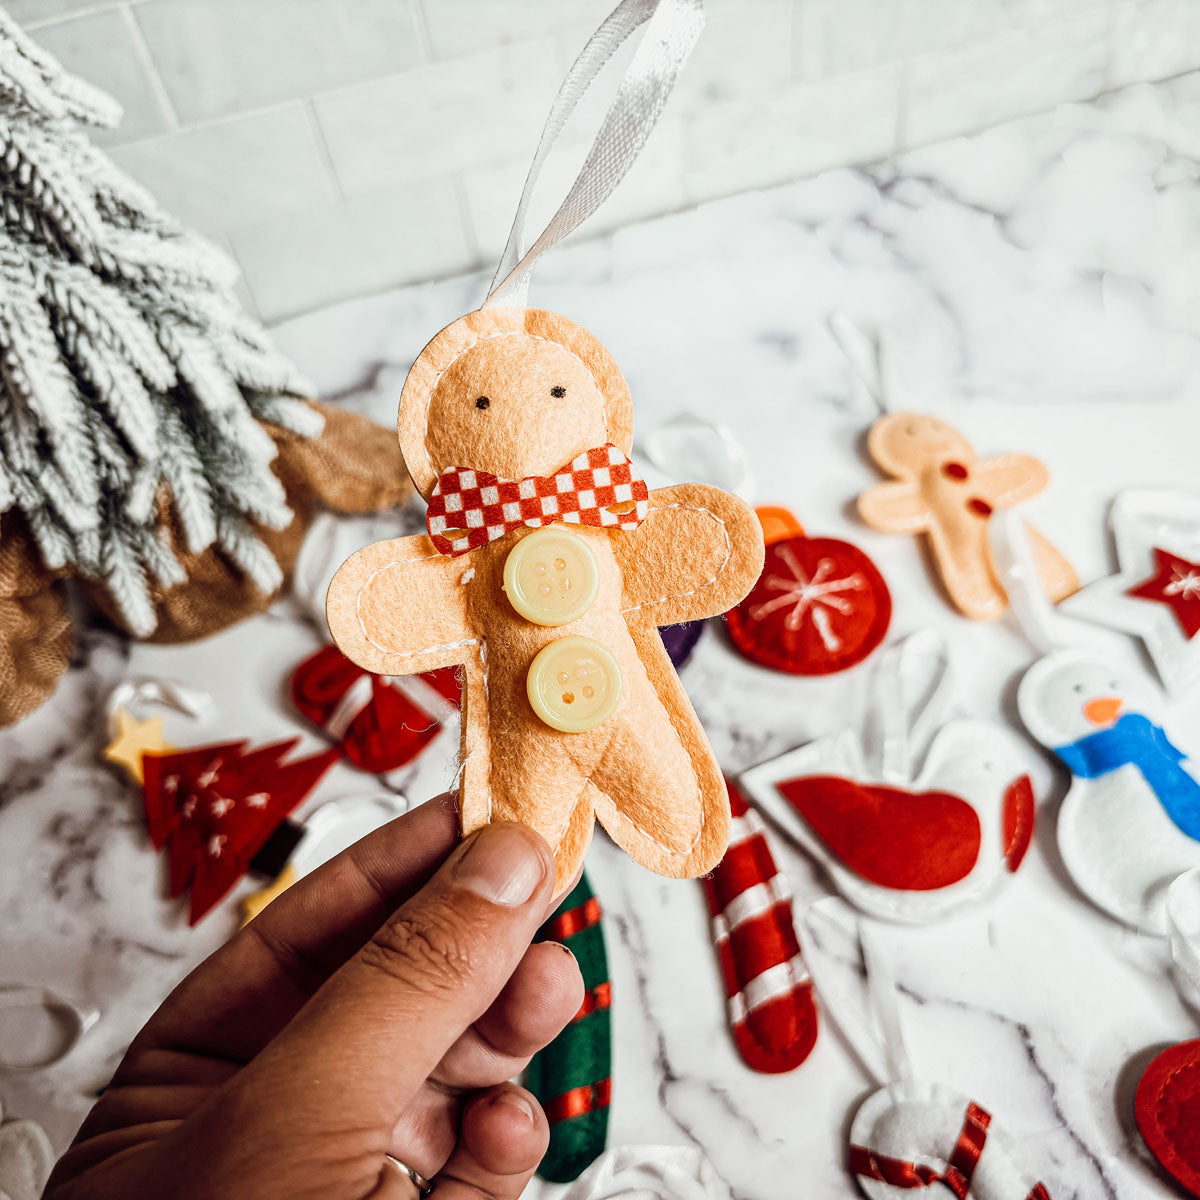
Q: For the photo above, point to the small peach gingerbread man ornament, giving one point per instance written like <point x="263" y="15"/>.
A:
<point x="944" y="491"/>
<point x="545" y="571"/>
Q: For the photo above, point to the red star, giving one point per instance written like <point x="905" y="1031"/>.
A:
<point x="1176" y="582"/>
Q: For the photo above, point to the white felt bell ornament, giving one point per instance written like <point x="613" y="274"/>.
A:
<point x="1155" y="593"/>
<point x="935" y="822"/>
<point x="910" y="1134"/>
<point x="1130" y="823"/>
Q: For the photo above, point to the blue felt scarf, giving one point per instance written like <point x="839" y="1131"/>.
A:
<point x="1136" y="740"/>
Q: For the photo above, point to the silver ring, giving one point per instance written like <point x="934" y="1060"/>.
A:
<point x="423" y="1185"/>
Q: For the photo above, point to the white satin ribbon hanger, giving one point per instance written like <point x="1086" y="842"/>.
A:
<point x="908" y="723"/>
<point x="1183" y="929"/>
<point x="141" y="690"/>
<point x="672" y="27"/>
<point x="864" y="352"/>
<point x="872" y="1024"/>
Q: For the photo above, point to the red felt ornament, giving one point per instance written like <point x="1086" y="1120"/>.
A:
<point x="893" y="837"/>
<point x="1167" y="1108"/>
<point x="770" y="994"/>
<point x="378" y="726"/>
<point x="902" y="841"/>
<point x="820" y="604"/>
<point x="1175" y="583"/>
<point x="214" y="808"/>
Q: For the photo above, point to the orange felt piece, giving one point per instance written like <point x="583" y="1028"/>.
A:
<point x="946" y="493"/>
<point x="521" y="392"/>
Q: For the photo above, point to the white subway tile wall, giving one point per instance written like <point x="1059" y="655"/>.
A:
<point x="345" y="146"/>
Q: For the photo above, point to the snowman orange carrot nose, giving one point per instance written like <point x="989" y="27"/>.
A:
<point x="1103" y="709"/>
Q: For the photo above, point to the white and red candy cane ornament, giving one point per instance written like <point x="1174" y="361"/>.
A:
<point x="910" y="1134"/>
<point x="770" y="995"/>
<point x="913" y="1135"/>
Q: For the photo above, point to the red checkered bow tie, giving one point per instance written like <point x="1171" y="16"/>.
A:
<point x="470" y="508"/>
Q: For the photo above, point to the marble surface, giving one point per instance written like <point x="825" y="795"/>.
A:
<point x="1034" y="285"/>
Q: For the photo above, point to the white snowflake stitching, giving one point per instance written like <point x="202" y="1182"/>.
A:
<point x="1185" y="584"/>
<point x="813" y="596"/>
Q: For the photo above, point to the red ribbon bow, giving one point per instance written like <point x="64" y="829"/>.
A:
<point x="469" y="508"/>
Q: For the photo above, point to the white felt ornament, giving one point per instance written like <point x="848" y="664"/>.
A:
<point x="1130" y="824"/>
<point x="650" y="1173"/>
<point x="910" y="1134"/>
<point x="26" y="1159"/>
<point x="1155" y="594"/>
<point x="901" y="843"/>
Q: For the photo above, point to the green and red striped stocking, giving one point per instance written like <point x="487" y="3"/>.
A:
<point x="572" y="1077"/>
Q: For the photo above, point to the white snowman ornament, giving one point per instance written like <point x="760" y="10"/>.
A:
<point x="1130" y="824"/>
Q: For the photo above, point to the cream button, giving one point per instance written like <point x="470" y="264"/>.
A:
<point x="574" y="684"/>
<point x="551" y="577"/>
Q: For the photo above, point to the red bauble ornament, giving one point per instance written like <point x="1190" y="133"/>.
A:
<point x="819" y="606"/>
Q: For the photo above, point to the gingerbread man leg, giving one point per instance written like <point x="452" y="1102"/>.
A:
<point x="959" y="540"/>
<point x="1057" y="575"/>
<point x="534" y="780"/>
<point x="656" y="794"/>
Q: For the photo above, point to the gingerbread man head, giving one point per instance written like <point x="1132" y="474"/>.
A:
<point x="905" y="444"/>
<point x="511" y="391"/>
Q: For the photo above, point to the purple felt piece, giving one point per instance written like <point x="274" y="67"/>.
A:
<point x="680" y="640"/>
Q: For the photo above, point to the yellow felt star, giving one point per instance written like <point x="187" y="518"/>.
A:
<point x="135" y="738"/>
<point x="254" y="903"/>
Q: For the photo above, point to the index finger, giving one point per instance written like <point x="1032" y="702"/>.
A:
<point x="239" y="998"/>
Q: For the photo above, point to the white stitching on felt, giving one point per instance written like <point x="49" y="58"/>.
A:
<point x="362" y="625"/>
<point x="485" y="337"/>
<point x="707" y="583"/>
<point x="487" y="722"/>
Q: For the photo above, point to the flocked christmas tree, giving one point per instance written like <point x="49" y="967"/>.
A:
<point x="132" y="385"/>
<point x="154" y="448"/>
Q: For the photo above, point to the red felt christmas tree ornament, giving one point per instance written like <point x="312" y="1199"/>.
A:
<point x="214" y="808"/>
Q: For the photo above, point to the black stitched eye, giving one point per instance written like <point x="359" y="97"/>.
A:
<point x="558" y="392"/>
<point x="482" y="402"/>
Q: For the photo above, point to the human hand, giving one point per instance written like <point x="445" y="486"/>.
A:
<point x="376" y="1008"/>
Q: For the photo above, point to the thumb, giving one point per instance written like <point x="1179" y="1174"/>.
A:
<point x="371" y="1036"/>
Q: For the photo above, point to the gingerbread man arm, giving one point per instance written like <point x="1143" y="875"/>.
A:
<point x="697" y="553"/>
<point x="1007" y="479"/>
<point x="398" y="608"/>
<point x="895" y="508"/>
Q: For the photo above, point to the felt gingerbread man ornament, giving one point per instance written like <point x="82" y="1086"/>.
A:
<point x="942" y="490"/>
<point x="545" y="571"/>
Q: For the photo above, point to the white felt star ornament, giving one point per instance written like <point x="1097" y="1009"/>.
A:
<point x="1156" y="592"/>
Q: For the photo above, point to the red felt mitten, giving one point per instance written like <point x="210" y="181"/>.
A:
<point x="771" y="1008"/>
<point x="819" y="606"/>
<point x="379" y="727"/>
